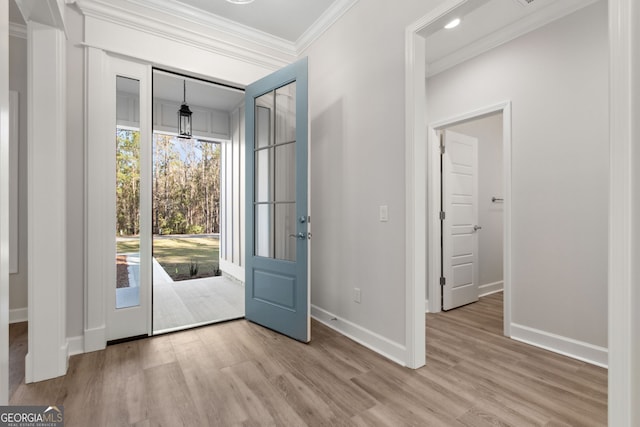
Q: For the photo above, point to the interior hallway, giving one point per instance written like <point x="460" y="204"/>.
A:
<point x="240" y="373"/>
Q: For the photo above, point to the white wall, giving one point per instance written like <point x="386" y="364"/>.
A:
<point x="18" y="82"/>
<point x="356" y="101"/>
<point x="232" y="199"/>
<point x="488" y="130"/>
<point x="557" y="80"/>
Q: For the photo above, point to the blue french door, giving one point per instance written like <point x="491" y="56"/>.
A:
<point x="277" y="228"/>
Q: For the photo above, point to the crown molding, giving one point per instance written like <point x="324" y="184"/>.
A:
<point x="235" y="29"/>
<point x="17" y="30"/>
<point x="525" y="25"/>
<point x="323" y="23"/>
<point x="158" y="23"/>
<point x="164" y="15"/>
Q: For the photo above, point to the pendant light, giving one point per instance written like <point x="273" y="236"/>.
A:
<point x="184" y="116"/>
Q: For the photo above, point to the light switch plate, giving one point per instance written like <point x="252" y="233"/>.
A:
<point x="384" y="213"/>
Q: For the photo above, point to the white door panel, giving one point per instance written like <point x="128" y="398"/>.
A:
<point x="460" y="204"/>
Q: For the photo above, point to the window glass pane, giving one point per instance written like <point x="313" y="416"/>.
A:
<point x="127" y="193"/>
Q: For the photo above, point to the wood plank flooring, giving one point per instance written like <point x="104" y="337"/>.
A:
<point x="240" y="374"/>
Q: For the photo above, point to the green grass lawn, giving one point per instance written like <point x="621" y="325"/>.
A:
<point x="179" y="256"/>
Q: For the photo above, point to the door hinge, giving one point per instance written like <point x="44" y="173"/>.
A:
<point x="442" y="143"/>
<point x="442" y="215"/>
<point x="443" y="281"/>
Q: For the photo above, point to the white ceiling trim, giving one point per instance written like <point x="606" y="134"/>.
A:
<point x="527" y="24"/>
<point x="199" y="16"/>
<point x="173" y="28"/>
<point x="323" y="23"/>
<point x="17" y="30"/>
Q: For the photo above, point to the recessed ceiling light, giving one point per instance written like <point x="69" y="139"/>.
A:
<point x="240" y="1"/>
<point x="452" y="24"/>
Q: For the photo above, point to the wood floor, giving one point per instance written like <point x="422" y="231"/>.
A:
<point x="239" y="374"/>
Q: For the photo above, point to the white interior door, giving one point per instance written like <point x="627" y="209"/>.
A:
<point x="460" y="220"/>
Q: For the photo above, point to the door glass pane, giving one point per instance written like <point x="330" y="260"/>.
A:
<point x="286" y="114"/>
<point x="264" y="106"/>
<point x="285" y="173"/>
<point x="263" y="230"/>
<point x="263" y="180"/>
<point x="275" y="174"/>
<point x="127" y="177"/>
<point x="285" y="242"/>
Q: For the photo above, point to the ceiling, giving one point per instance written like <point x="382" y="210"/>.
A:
<point x="286" y="19"/>
<point x="491" y="19"/>
<point x="168" y="87"/>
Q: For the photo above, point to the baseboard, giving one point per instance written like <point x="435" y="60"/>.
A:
<point x="381" y="345"/>
<point x="586" y="352"/>
<point x="94" y="339"/>
<point x="426" y="306"/>
<point x="75" y="345"/>
<point x="490" y="288"/>
<point x="17" y="315"/>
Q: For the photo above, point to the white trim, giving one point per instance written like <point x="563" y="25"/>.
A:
<point x="194" y="15"/>
<point x="323" y="23"/>
<point x="426" y="306"/>
<point x="381" y="345"/>
<point x="14" y="149"/>
<point x="95" y="339"/>
<point x="75" y="345"/>
<point x="415" y="184"/>
<point x="4" y="203"/>
<point x="558" y="344"/>
<point x="433" y="191"/>
<point x="490" y="288"/>
<point x="504" y="35"/>
<point x="17" y="30"/>
<point x="199" y="16"/>
<point x="168" y="28"/>
<point x="623" y="297"/>
<point x="17" y="315"/>
<point x="95" y="216"/>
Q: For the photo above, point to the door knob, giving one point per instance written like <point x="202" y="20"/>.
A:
<point x="476" y="228"/>
<point x="301" y="235"/>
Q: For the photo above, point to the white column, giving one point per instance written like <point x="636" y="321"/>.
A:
<point x="4" y="203"/>
<point x="48" y="354"/>
<point x="624" y="222"/>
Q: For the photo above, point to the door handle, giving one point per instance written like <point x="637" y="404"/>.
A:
<point x="301" y="235"/>
<point x="476" y="228"/>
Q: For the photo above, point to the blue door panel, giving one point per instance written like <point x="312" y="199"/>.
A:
<point x="277" y="291"/>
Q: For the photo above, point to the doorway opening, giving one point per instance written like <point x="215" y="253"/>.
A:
<point x="188" y="185"/>
<point x="188" y="189"/>
<point x="470" y="237"/>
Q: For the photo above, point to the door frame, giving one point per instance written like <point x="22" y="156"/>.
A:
<point x="434" y="252"/>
